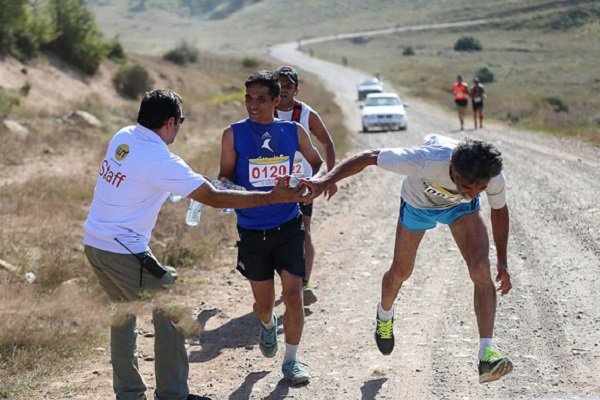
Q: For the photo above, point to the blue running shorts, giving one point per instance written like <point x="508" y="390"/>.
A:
<point x="418" y="220"/>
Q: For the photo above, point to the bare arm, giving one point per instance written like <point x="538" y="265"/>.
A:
<point x="500" y="227"/>
<point x="348" y="167"/>
<point x="207" y="194"/>
<point x="317" y="128"/>
<point x="308" y="150"/>
<point x="228" y="155"/>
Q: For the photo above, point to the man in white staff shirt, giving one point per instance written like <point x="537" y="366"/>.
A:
<point x="135" y="178"/>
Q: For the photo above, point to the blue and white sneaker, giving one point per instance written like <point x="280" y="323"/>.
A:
<point x="267" y="339"/>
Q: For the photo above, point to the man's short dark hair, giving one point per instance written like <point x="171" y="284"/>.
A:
<point x="157" y="107"/>
<point x="265" y="78"/>
<point x="476" y="161"/>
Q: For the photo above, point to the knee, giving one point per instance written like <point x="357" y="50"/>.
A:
<point x="399" y="272"/>
<point x="480" y="273"/>
<point x="293" y="299"/>
<point x="263" y="307"/>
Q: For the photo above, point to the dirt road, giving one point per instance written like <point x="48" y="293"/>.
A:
<point x="548" y="325"/>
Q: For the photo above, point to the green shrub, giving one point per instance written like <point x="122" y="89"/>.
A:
<point x="132" y="81"/>
<point x="115" y="51"/>
<point x="408" y="51"/>
<point x="485" y="75"/>
<point x="183" y="54"/>
<point x="249" y="62"/>
<point x="468" y="43"/>
<point x="558" y="105"/>
<point x="79" y="41"/>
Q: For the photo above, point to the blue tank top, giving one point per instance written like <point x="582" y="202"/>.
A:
<point x="264" y="152"/>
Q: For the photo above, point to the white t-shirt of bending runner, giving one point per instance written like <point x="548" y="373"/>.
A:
<point x="135" y="178"/>
<point x="428" y="184"/>
<point x="301" y="167"/>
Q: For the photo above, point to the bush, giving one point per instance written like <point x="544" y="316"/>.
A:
<point x="132" y="81"/>
<point x="468" y="43"/>
<point x="79" y="41"/>
<point x="183" y="54"/>
<point x="485" y="75"/>
<point x="558" y="105"/>
<point x="115" y="51"/>
<point x="249" y="62"/>
<point x="408" y="51"/>
<point x="360" y="40"/>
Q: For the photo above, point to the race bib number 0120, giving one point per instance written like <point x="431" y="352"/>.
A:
<point x="264" y="172"/>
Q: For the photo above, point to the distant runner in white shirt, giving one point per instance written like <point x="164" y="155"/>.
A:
<point x="290" y="109"/>
<point x="444" y="179"/>
<point x="135" y="178"/>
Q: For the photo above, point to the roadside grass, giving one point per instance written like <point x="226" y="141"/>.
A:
<point x="529" y="67"/>
<point x="51" y="326"/>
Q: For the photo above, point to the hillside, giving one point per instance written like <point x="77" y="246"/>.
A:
<point x="255" y="24"/>
<point x="541" y="54"/>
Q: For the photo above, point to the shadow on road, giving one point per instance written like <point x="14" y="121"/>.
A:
<point x="370" y="389"/>
<point x="245" y="389"/>
<point x="238" y="332"/>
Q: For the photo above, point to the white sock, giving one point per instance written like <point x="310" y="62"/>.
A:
<point x="269" y="324"/>
<point x="290" y="352"/>
<point x="483" y="343"/>
<point x="383" y="314"/>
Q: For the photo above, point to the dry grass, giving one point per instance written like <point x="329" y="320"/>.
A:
<point x="528" y="65"/>
<point x="49" y="326"/>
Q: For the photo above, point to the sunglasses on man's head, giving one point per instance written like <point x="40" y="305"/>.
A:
<point x="287" y="71"/>
<point x="180" y="120"/>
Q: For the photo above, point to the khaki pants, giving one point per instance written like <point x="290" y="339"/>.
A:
<point x="119" y="276"/>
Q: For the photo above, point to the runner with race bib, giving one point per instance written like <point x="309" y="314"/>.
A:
<point x="255" y="153"/>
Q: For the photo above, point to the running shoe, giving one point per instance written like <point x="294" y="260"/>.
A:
<point x="384" y="336"/>
<point x="296" y="372"/>
<point x="309" y="295"/>
<point x="493" y="366"/>
<point x="267" y="339"/>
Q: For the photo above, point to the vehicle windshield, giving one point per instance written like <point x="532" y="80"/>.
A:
<point x="371" y="81"/>
<point x="382" y="101"/>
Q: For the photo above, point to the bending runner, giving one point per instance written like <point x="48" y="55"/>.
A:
<point x="443" y="182"/>
<point x="290" y="109"/>
<point x="477" y="93"/>
<point x="254" y="153"/>
<point x="460" y="90"/>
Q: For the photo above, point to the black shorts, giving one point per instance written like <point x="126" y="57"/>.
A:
<point x="306" y="209"/>
<point x="262" y="252"/>
<point x="477" y="106"/>
<point x="461" y="102"/>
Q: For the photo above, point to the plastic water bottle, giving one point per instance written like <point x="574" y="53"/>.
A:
<point x="226" y="186"/>
<point x="293" y="182"/>
<point x="194" y="212"/>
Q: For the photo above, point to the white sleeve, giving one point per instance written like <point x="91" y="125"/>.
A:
<point x="405" y="161"/>
<point x="172" y="174"/>
<point x="496" y="191"/>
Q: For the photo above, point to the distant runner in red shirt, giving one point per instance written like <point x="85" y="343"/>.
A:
<point x="460" y="90"/>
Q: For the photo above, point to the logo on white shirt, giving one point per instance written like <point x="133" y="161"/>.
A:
<point x="122" y="152"/>
<point x="436" y="190"/>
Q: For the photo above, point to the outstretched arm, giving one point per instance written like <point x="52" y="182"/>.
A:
<point x="318" y="128"/>
<point x="500" y="226"/>
<point x="348" y="167"/>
